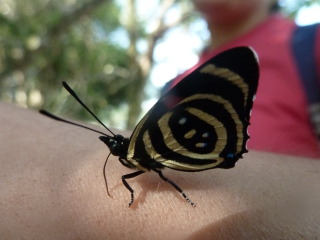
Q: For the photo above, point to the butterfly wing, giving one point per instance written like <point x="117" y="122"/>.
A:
<point x="202" y="122"/>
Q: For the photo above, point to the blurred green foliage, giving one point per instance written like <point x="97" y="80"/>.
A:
<point x="46" y="42"/>
<point x="87" y="44"/>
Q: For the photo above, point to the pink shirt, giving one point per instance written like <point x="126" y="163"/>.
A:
<point x="279" y="120"/>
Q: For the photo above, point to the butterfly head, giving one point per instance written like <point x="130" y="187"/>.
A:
<point x="117" y="144"/>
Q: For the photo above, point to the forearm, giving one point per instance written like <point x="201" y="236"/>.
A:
<point x="52" y="187"/>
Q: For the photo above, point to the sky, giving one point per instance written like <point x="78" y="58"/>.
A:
<point x="309" y="15"/>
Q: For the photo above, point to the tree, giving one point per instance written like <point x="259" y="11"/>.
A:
<point x="142" y="62"/>
<point x="88" y="44"/>
<point x="45" y="42"/>
<point x="76" y="42"/>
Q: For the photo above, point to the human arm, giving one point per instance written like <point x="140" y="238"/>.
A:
<point x="52" y="187"/>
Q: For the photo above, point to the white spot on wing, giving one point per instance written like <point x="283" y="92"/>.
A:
<point x="205" y="135"/>
<point x="201" y="145"/>
<point x="182" y="120"/>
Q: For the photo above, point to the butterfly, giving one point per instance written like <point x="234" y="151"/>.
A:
<point x="199" y="124"/>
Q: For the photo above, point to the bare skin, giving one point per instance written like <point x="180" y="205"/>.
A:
<point x="52" y="187"/>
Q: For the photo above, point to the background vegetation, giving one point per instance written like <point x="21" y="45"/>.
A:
<point x="94" y="45"/>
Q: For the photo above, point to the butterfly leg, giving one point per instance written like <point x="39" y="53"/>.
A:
<point x="175" y="186"/>
<point x="125" y="183"/>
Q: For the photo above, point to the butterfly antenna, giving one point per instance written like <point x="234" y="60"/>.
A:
<point x="68" y="88"/>
<point x="50" y="115"/>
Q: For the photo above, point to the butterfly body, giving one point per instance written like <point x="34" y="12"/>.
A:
<point x="199" y="124"/>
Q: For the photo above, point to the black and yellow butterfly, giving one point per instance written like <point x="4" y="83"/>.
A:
<point x="199" y="124"/>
